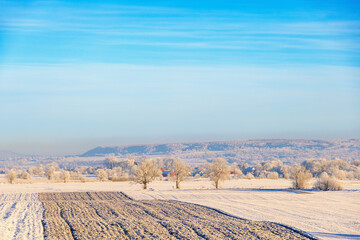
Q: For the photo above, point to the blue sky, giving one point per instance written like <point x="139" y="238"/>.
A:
<point x="77" y="74"/>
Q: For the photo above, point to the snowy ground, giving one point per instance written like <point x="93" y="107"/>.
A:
<point x="122" y="186"/>
<point x="328" y="215"/>
<point x="20" y="216"/>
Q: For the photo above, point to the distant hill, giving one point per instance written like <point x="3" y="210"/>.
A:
<point x="10" y="159"/>
<point x="247" y="150"/>
<point x="5" y="155"/>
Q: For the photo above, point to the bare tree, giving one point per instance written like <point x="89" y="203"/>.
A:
<point x="146" y="172"/>
<point x="181" y="171"/>
<point x="218" y="171"/>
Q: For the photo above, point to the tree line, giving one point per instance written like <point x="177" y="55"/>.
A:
<point x="144" y="171"/>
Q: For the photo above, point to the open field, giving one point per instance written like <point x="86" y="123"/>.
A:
<point x="327" y="215"/>
<point x="156" y="185"/>
<point x="20" y="216"/>
<point x="111" y="215"/>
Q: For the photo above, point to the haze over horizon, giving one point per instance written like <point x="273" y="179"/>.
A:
<point x="79" y="74"/>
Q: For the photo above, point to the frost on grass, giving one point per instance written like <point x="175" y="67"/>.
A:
<point x="112" y="215"/>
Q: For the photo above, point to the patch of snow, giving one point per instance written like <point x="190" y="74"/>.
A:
<point x="20" y="216"/>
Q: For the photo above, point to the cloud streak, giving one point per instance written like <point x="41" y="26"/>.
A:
<point x="180" y="28"/>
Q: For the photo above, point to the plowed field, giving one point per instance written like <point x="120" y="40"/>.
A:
<point x="112" y="215"/>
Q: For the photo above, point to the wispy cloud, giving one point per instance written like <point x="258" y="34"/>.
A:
<point x="63" y="17"/>
<point x="166" y="29"/>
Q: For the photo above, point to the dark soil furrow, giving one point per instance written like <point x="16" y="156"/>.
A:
<point x="113" y="215"/>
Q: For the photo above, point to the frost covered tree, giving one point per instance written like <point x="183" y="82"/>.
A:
<point x="65" y="176"/>
<point x="111" y="162"/>
<point x="11" y="176"/>
<point x="102" y="174"/>
<point x="326" y="183"/>
<point x="272" y="175"/>
<point x="50" y="172"/>
<point x="236" y="170"/>
<point x="168" y="163"/>
<point x="181" y="171"/>
<point x="51" y="169"/>
<point x="146" y="172"/>
<point x="300" y="176"/>
<point x="218" y="171"/>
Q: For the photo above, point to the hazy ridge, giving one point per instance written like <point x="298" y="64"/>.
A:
<point x="246" y="150"/>
<point x="196" y="153"/>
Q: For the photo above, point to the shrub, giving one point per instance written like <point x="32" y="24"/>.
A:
<point x="350" y="175"/>
<point x="339" y="174"/>
<point x="120" y="178"/>
<point x="326" y="183"/>
<point x="101" y="174"/>
<point x="37" y="171"/>
<point x="83" y="178"/>
<point x="356" y="163"/>
<point x="237" y="173"/>
<point x="273" y="175"/>
<point x="25" y="175"/>
<point x="301" y="176"/>
<point x="261" y="175"/>
<point x="357" y="173"/>
<point x="249" y="176"/>
<point x="11" y="176"/>
<point x="50" y="173"/>
<point x="65" y="176"/>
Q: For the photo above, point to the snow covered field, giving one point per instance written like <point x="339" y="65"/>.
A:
<point x="20" y="216"/>
<point x="328" y="215"/>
